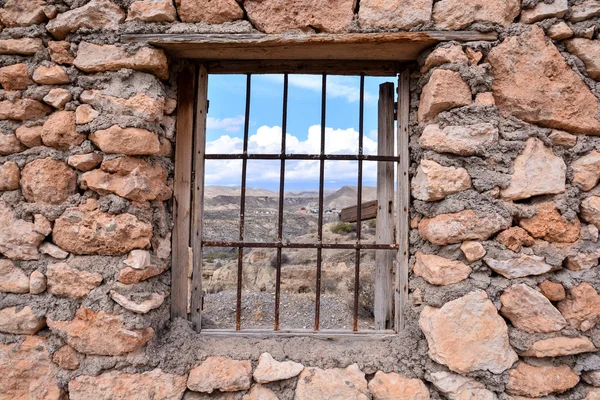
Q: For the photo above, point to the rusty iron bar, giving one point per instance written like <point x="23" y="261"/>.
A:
<point x="281" y="200"/>
<point x="359" y="200"/>
<point x="275" y="245"/>
<point x="332" y="157"/>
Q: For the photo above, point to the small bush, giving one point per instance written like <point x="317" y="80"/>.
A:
<point x="284" y="260"/>
<point x="342" y="228"/>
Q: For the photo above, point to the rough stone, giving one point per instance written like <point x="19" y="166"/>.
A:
<point x="22" y="13"/>
<point x="100" y="58"/>
<point x="592" y="394"/>
<point x="50" y="75"/>
<point x="562" y="138"/>
<point x="9" y="176"/>
<point x="9" y="144"/>
<point x="152" y="11"/>
<point x="398" y="14"/>
<point x="116" y="385"/>
<point x="100" y="333"/>
<point x="445" y="90"/>
<point x="85" y="162"/>
<point x="130" y="276"/>
<point x="259" y="392"/>
<point x="434" y="181"/>
<point x="59" y="131"/>
<point x="270" y="370"/>
<point x="213" y="12"/>
<point x="589" y="52"/>
<point x="485" y="99"/>
<point x="393" y="386"/>
<point x="37" y="283"/>
<point x="58" y="97"/>
<point x="83" y="231"/>
<point x="524" y="265"/>
<point x="458" y="14"/>
<point x="48" y="181"/>
<point x="530" y="311"/>
<point x="23" y="109"/>
<point x="140" y="105"/>
<point x="23" y="47"/>
<point x="473" y="251"/>
<point x="444" y="55"/>
<point x="531" y="381"/>
<point x="461" y="140"/>
<point x="586" y="170"/>
<point x="549" y="225"/>
<point x="66" y="358"/>
<point x="560" y="31"/>
<point x="581" y="308"/>
<point x="21" y="322"/>
<point x="590" y="210"/>
<point x="220" y="373"/>
<point x="15" y="77"/>
<point x="541" y="11"/>
<point x="128" y="141"/>
<point x="592" y="377"/>
<point x="560" y="346"/>
<point x="85" y="114"/>
<point x="53" y="250"/>
<point x="19" y="239"/>
<point x="458" y="387"/>
<point x="533" y="82"/>
<point x="514" y="238"/>
<point x="447" y="229"/>
<point x="552" y="290"/>
<point x="439" y="270"/>
<point x="149" y="303"/>
<point x="582" y="261"/>
<point x="60" y="52"/>
<point x="585" y="10"/>
<point x="30" y="136"/>
<point x="65" y="281"/>
<point x="483" y="343"/>
<point x="138" y="259"/>
<point x="12" y="278"/>
<point x="97" y="14"/>
<point x="348" y="383"/>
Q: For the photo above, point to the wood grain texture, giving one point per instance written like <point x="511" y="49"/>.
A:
<point x="368" y="211"/>
<point x="331" y="67"/>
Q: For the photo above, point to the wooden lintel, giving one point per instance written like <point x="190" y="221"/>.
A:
<point x="382" y="46"/>
<point x="368" y="211"/>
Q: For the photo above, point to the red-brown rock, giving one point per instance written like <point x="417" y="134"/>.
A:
<point x="19" y="239"/>
<point x="581" y="308"/>
<point x="9" y="176"/>
<point x="589" y="52"/>
<point x="15" y="77"/>
<point x="30" y="136"/>
<point x="152" y="11"/>
<point x="439" y="270"/>
<point x="458" y="14"/>
<point x="48" y="181"/>
<point x="23" y="109"/>
<point x="64" y="281"/>
<point x="552" y="290"/>
<point x="66" y="358"/>
<point x="9" y="144"/>
<point x="20" y="321"/>
<point x="393" y="386"/>
<point x="397" y="14"/>
<point x="457" y="227"/>
<point x="85" y="162"/>
<point x="22" y="13"/>
<point x="465" y="140"/>
<point x="445" y="90"/>
<point x="586" y="170"/>
<point x="560" y="346"/>
<point x="140" y="105"/>
<point x="434" y="181"/>
<point x="220" y="373"/>
<point x="12" y="278"/>
<point x="528" y="380"/>
<point x="23" y="47"/>
<point x="50" y="75"/>
<point x="347" y="383"/>
<point x="549" y="225"/>
<point x="514" y="238"/>
<point x="59" y="131"/>
<point x="211" y="11"/>
<point x="58" y="98"/>
<point x="128" y="141"/>
<point x="60" y="52"/>
<point x="130" y="276"/>
<point x="97" y="14"/>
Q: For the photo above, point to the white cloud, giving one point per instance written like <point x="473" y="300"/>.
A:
<point x="234" y="124"/>
<point x="337" y="86"/>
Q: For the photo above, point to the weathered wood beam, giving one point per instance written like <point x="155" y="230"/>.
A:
<point x="368" y="211"/>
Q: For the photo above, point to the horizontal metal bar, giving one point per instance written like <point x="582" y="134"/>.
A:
<point x="351" y="157"/>
<point x="276" y="245"/>
<point x="323" y="334"/>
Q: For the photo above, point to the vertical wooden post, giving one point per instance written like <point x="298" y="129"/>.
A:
<point x="385" y="214"/>
<point x="182" y="192"/>
<point x="403" y="194"/>
<point x="198" y="196"/>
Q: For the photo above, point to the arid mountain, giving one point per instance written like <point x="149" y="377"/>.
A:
<point x="346" y="196"/>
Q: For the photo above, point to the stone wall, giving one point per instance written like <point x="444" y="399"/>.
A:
<point x="504" y="278"/>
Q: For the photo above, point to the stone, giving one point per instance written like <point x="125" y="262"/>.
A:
<point x="485" y="99"/>
<point x="170" y="105"/>
<point x="27" y="371"/>
<point x="60" y="52"/>
<point x="270" y="370"/>
<point x="131" y="178"/>
<point x="592" y="377"/>
<point x="23" y="109"/>
<point x="589" y="52"/>
<point x="15" y="77"/>
<point x="213" y="12"/>
<point x="12" y="278"/>
<point x="53" y="251"/>
<point x="560" y="346"/>
<point x="278" y="16"/>
<point x="128" y="141"/>
<point x="519" y="267"/>
<point x="22" y="47"/>
<point x="20" y="322"/>
<point x="559" y="31"/>
<point x="444" y="55"/>
<point x="473" y="251"/>
<point x="66" y="358"/>
<point x="434" y="181"/>
<point x="439" y="270"/>
<point x="474" y="56"/>
<point x="552" y="290"/>
<point x="467" y="334"/>
<point x="117" y="385"/>
<point x="152" y="11"/>
<point x="457" y="227"/>
<point x="19" y="239"/>
<point x="348" y="383"/>
<point x="37" y="283"/>
<point x="541" y="11"/>
<point x="97" y="15"/>
<point x="588" y="32"/>
<point x="84" y="114"/>
<point x="592" y="394"/>
<point x="585" y="10"/>
<point x="50" y="75"/>
<point x="130" y="276"/>
<point x="42" y="224"/>
<point x="30" y="136"/>
<point x="59" y="131"/>
<point x="9" y="176"/>
<point x="100" y="333"/>
<point x="83" y="231"/>
<point x="528" y="310"/>
<point x="220" y="373"/>
<point x="149" y="302"/>
<point x="562" y="138"/>
<point x="138" y="259"/>
<point x="514" y="238"/>
<point x="140" y="105"/>
<point x="458" y="387"/>
<point x="549" y="225"/>
<point x="57" y="98"/>
<point x="468" y="140"/>
<point x="100" y="58"/>
<point x="581" y="308"/>
<point x="85" y="162"/>
<point x="65" y="281"/>
<point x="22" y="13"/>
<point x="9" y="144"/>
<point x="459" y="14"/>
<point x="533" y="82"/>
<point x="531" y="381"/>
<point x="444" y="91"/>
<point x="590" y="210"/>
<point x="48" y="181"/>
<point x="537" y="171"/>
<point x="259" y="392"/>
<point x="582" y="261"/>
<point x="399" y="14"/>
<point x="393" y="386"/>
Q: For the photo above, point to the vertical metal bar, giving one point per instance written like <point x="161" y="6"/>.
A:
<point x="238" y="308"/>
<point x="359" y="199"/>
<point x="281" y="198"/>
<point x="321" y="190"/>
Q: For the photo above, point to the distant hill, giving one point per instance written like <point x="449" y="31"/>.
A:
<point x="347" y="195"/>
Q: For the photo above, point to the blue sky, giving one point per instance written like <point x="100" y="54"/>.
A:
<point x="225" y="128"/>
